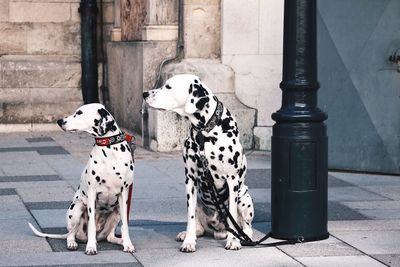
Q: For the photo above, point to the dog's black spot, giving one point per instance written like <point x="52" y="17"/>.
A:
<point x="192" y="190"/>
<point x="97" y="178"/>
<point x="122" y="188"/>
<point x="196" y="81"/>
<point x="83" y="193"/>
<point x="251" y="214"/>
<point x="188" y="196"/>
<point x="190" y="89"/>
<point x="84" y="227"/>
<point x="104" y="153"/>
<point x="88" y="183"/>
<point x="222" y="148"/>
<point x="131" y="167"/>
<point x="213" y="168"/>
<point x="168" y="87"/>
<point x="201" y="102"/>
<point x="234" y="141"/>
<point x="95" y="130"/>
<point x="126" y="164"/>
<point x="72" y="206"/>
<point x="117" y="173"/>
<point x="93" y="172"/>
<point x="103" y="113"/>
<point x="96" y="122"/>
<point x="230" y="148"/>
<point x="122" y="148"/>
<point x="86" y="171"/>
<point x="235" y="188"/>
<point x="103" y="181"/>
<point x="220" y="157"/>
<point x="90" y="210"/>
<point x="192" y="217"/>
<point x="70" y="216"/>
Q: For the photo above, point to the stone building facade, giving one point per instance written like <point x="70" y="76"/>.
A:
<point x="234" y="46"/>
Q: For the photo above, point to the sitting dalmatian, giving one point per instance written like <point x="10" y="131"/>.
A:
<point x="186" y="95"/>
<point x="102" y="197"/>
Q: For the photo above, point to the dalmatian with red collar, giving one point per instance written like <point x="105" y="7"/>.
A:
<point x="186" y="95"/>
<point x="101" y="201"/>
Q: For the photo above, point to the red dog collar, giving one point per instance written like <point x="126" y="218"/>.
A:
<point x="115" y="139"/>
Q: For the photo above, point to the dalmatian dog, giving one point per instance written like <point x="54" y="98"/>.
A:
<point x="186" y="95"/>
<point x="101" y="200"/>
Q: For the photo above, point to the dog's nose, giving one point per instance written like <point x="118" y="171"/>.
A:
<point x="146" y="94"/>
<point x="60" y="122"/>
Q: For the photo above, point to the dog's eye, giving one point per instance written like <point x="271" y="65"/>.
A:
<point x="168" y="87"/>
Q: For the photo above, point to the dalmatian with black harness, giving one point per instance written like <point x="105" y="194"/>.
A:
<point x="214" y="135"/>
<point x="101" y="200"/>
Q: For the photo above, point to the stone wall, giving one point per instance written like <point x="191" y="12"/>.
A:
<point x="40" y="70"/>
<point x="252" y="46"/>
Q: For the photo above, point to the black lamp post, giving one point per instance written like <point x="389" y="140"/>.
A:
<point x="299" y="141"/>
<point x="88" y="12"/>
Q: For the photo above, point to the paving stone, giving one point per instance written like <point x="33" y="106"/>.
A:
<point x="34" y="184"/>
<point x="363" y="179"/>
<point x="352" y="194"/>
<point x="343" y="261"/>
<point x="46" y="193"/>
<point x="42" y="150"/>
<point x="24" y="163"/>
<point x="391" y="260"/>
<point x="65" y="165"/>
<point x="48" y="205"/>
<point x="363" y="225"/>
<point x="103" y="258"/>
<point x="12" y="208"/>
<point x="338" y="211"/>
<point x="50" y="218"/>
<point x="28" y="178"/>
<point x="372" y="241"/>
<point x="377" y="210"/>
<point x="7" y="191"/>
<point x="24" y="246"/>
<point x="336" y="182"/>
<point x="16" y="229"/>
<point x="258" y="160"/>
<point x="39" y="139"/>
<point x="389" y="191"/>
<point x="258" y="178"/>
<point x="328" y="247"/>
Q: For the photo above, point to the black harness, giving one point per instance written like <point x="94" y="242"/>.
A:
<point x="218" y="202"/>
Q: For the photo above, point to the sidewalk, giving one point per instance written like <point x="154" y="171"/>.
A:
<point x="39" y="173"/>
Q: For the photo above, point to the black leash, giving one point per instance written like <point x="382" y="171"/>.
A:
<point x="223" y="210"/>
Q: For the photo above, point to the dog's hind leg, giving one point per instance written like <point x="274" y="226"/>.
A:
<point x="112" y="223"/>
<point x="246" y="212"/>
<point x="74" y="216"/>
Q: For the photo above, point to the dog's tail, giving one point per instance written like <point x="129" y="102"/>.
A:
<point x="46" y="235"/>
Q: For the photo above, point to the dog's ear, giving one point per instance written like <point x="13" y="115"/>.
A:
<point x="106" y="122"/>
<point x="190" y="106"/>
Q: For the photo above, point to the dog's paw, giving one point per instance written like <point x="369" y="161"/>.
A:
<point x="220" y="235"/>
<point x="233" y="244"/>
<point x="72" y="245"/>
<point x="129" y="248"/>
<point x="188" y="246"/>
<point x="181" y="236"/>
<point x="91" y="250"/>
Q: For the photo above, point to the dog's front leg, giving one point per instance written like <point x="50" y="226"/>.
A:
<point x="123" y="207"/>
<point x="232" y="242"/>
<point x="189" y="243"/>
<point x="91" y="246"/>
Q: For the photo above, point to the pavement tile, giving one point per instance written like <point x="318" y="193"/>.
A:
<point x="342" y="261"/>
<point x="258" y="178"/>
<point x="46" y="193"/>
<point x="24" y="163"/>
<point x="65" y="166"/>
<point x="327" y="247"/>
<point x="103" y="258"/>
<point x="12" y="208"/>
<point x="48" y="205"/>
<point x="363" y="179"/>
<point x="353" y="193"/>
<point x="258" y="160"/>
<point x="338" y="211"/>
<point x="16" y="229"/>
<point x="363" y="225"/>
<point x="7" y="191"/>
<point x="391" y="260"/>
<point x="17" y="185"/>
<point x="39" y="139"/>
<point x="167" y="210"/>
<point x="377" y="210"/>
<point x="389" y="191"/>
<point x="42" y="150"/>
<point x="24" y="246"/>
<point x="50" y="218"/>
<point x="372" y="241"/>
<point x="28" y="178"/>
